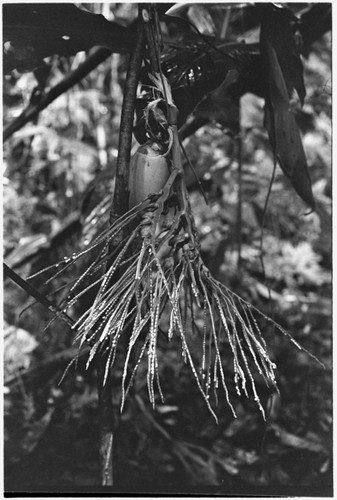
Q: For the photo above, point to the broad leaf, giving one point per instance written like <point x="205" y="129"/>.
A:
<point x="283" y="131"/>
<point x="32" y="32"/>
<point x="278" y="25"/>
<point x="316" y="21"/>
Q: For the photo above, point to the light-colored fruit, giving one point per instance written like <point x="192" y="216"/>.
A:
<point x="149" y="171"/>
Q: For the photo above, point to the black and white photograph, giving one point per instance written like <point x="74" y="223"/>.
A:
<point x="167" y="242"/>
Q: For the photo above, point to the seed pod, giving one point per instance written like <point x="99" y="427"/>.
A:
<point x="149" y="171"/>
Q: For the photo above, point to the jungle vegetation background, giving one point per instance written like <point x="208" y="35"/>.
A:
<point x="57" y="168"/>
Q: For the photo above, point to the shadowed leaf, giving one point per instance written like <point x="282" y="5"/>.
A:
<point x="278" y="27"/>
<point x="283" y="131"/>
<point x="32" y="32"/>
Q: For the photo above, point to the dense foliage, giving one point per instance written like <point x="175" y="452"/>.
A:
<point x="60" y="167"/>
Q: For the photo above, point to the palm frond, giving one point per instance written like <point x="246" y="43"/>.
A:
<point x="148" y="263"/>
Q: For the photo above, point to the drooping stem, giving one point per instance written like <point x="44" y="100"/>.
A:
<point x="119" y="206"/>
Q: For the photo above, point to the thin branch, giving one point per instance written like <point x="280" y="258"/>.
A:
<point x="194" y="172"/>
<point x="96" y="56"/>
<point x="24" y="254"/>
<point x="34" y="293"/>
<point x="191" y="126"/>
<point x="239" y="201"/>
